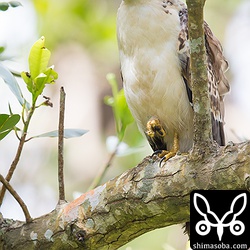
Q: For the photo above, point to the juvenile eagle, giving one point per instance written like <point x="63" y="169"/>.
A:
<point x="154" y="54"/>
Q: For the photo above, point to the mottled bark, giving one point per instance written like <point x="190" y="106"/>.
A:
<point x="203" y="140"/>
<point x="140" y="200"/>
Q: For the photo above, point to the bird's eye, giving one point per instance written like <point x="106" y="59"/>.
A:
<point x="169" y="3"/>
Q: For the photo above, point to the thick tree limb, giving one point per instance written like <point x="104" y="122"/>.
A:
<point x="140" y="200"/>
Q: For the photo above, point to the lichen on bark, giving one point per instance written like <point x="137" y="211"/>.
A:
<point x="199" y="79"/>
<point x="140" y="200"/>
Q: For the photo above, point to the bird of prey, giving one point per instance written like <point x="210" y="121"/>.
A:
<point x="155" y="60"/>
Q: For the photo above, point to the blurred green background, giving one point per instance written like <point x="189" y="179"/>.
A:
<point x="81" y="35"/>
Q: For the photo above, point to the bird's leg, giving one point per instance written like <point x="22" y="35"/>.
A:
<point x="174" y="149"/>
<point x="156" y="136"/>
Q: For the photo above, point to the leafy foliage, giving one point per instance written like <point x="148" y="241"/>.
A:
<point x="11" y="81"/>
<point x="2" y="49"/>
<point x="68" y="133"/>
<point x="7" y="123"/>
<point x="5" y="5"/>
<point x="120" y="108"/>
<point x="91" y="23"/>
<point x="40" y="74"/>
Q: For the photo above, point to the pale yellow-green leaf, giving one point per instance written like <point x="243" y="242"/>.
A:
<point x="27" y="79"/>
<point x="38" y="58"/>
<point x="48" y="77"/>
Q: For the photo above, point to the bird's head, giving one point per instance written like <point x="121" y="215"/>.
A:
<point x="175" y="4"/>
<point x="169" y="6"/>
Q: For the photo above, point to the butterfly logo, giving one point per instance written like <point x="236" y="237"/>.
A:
<point x="210" y="219"/>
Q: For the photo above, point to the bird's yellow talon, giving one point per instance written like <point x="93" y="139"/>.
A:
<point x="166" y="155"/>
<point x="154" y="128"/>
<point x="163" y="153"/>
<point x="155" y="134"/>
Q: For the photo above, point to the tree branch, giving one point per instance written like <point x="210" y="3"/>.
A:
<point x="140" y="200"/>
<point x="19" y="150"/>
<point x="199" y="78"/>
<point x="17" y="198"/>
<point x="60" y="146"/>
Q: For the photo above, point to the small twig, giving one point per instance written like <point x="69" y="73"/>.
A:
<point x="23" y="115"/>
<point x="17" y="136"/>
<point x="13" y="166"/>
<point x="18" y="199"/>
<point x="96" y="182"/>
<point x="239" y="138"/>
<point x="18" y="153"/>
<point x="60" y="146"/>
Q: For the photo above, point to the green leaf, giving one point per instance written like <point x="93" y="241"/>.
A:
<point x="68" y="133"/>
<point x="123" y="110"/>
<point x="15" y="4"/>
<point x="120" y="108"/>
<point x="51" y="74"/>
<point x="38" y="58"/>
<point x="48" y="77"/>
<point x="123" y="113"/>
<point x="4" y="134"/>
<point x="11" y="81"/>
<point x="4" y="6"/>
<point x="112" y="81"/>
<point x="2" y="49"/>
<point x="40" y="74"/>
<point x="7" y="123"/>
<point x="109" y="100"/>
<point x="39" y="84"/>
<point x="27" y="79"/>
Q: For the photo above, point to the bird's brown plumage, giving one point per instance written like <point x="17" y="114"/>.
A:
<point x="217" y="65"/>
